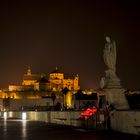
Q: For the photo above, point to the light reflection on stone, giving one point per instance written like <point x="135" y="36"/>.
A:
<point x="5" y="126"/>
<point x="24" y="130"/>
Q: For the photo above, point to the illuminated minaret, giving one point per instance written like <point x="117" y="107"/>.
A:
<point x="29" y="78"/>
<point x="76" y="82"/>
<point x="56" y="68"/>
<point x="29" y="71"/>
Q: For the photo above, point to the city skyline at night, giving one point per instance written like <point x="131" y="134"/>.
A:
<point x="71" y="36"/>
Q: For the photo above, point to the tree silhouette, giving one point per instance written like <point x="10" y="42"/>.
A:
<point x="79" y="95"/>
<point x="64" y="92"/>
<point x="53" y="96"/>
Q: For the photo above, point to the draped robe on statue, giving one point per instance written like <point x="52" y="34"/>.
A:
<point x="110" y="55"/>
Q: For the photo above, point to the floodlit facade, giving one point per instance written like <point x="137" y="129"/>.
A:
<point x="39" y="82"/>
<point x="58" y="82"/>
<point x="38" y="86"/>
<point x="29" y="78"/>
<point x="55" y="82"/>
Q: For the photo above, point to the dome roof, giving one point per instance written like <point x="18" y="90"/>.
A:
<point x="56" y="71"/>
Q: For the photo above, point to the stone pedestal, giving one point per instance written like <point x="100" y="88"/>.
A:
<point x="116" y="97"/>
<point x="113" y="90"/>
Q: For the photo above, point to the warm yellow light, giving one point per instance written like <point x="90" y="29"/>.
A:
<point x="24" y="116"/>
<point x="69" y="100"/>
<point x="10" y="114"/>
<point x="5" y="115"/>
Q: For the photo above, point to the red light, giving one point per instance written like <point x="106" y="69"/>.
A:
<point x="88" y="112"/>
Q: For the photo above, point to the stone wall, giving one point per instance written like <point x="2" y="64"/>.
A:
<point x="125" y="121"/>
<point x="19" y="104"/>
<point x="58" y="117"/>
<point x="122" y="121"/>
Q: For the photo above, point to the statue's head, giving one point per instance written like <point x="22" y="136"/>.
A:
<point x="108" y="39"/>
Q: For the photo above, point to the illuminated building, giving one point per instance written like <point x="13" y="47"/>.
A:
<point x="29" y="78"/>
<point x="38" y="82"/>
<point x="42" y="84"/>
<point x="37" y="86"/>
<point x="58" y="82"/>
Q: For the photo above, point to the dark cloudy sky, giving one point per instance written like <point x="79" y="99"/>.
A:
<point x="69" y="35"/>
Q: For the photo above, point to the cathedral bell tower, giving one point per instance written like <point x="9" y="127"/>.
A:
<point x="29" y="71"/>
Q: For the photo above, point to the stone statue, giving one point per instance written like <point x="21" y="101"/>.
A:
<point x="110" y="57"/>
<point x="110" y="83"/>
<point x="110" y="54"/>
<point x="102" y="82"/>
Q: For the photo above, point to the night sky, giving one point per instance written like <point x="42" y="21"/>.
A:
<point x="69" y="35"/>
